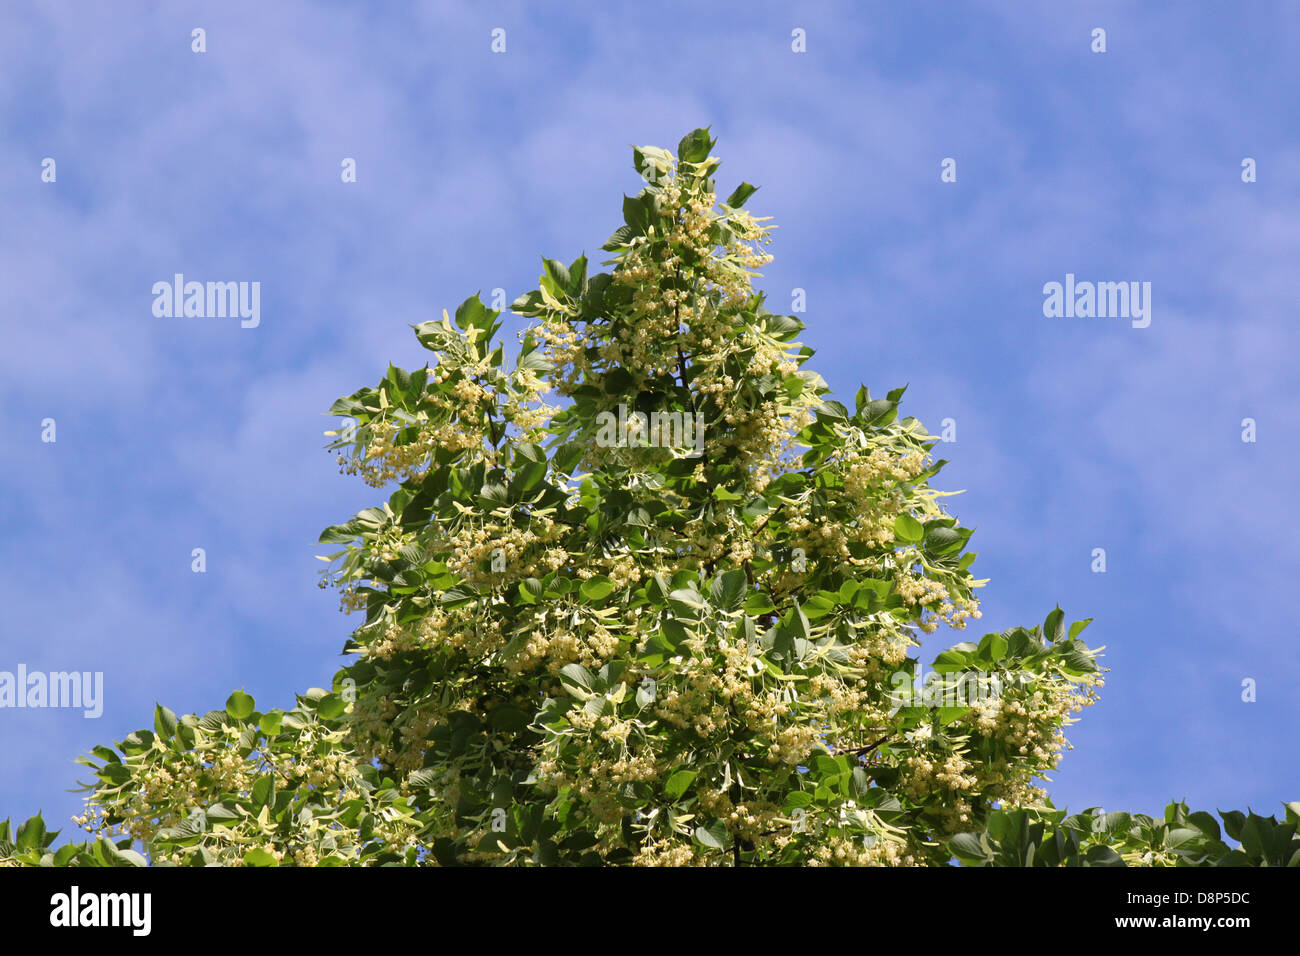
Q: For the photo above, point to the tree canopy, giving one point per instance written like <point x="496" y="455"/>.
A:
<point x="643" y="594"/>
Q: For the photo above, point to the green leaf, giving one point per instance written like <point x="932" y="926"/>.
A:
<point x="436" y="337"/>
<point x="164" y="722"/>
<point x="1112" y="823"/>
<point x="860" y="782"/>
<point x="527" y="304"/>
<point x="121" y="857"/>
<point x="577" y="680"/>
<point x="263" y="791"/>
<point x="954" y="659"/>
<point x="798" y="622"/>
<point x="528" y="477"/>
<point x="740" y="194"/>
<point x="968" y="847"/>
<point x="620" y="237"/>
<point x="472" y="314"/>
<point x="943" y="541"/>
<point x="534" y="361"/>
<point x="1054" y="625"/>
<point x="423" y="779"/>
<point x="1103" y="856"/>
<point x="1206" y="824"/>
<point x="65" y="854"/>
<point x="1181" y="838"/>
<point x="1292" y="812"/>
<point x="688" y="597"/>
<point x="992" y="648"/>
<point x="239" y="705"/>
<point x="270" y="722"/>
<point x="493" y="495"/>
<point x="782" y="327"/>
<point x="635" y="214"/>
<point x="714" y="835"/>
<point x="31" y="835"/>
<point x="908" y="529"/>
<point x="878" y="412"/>
<point x="259" y="857"/>
<point x="695" y="146"/>
<point x="557" y="271"/>
<point x="331" y="706"/>
<point x="644" y="696"/>
<point x="728" y="590"/>
<point x="1233" y="822"/>
<point x="1077" y="627"/>
<point x="947" y="715"/>
<point x="1075" y="655"/>
<point x="819" y="605"/>
<point x="651" y="161"/>
<point x="530" y="590"/>
<point x="104" y="753"/>
<point x="679" y="782"/>
<point x="597" y="589"/>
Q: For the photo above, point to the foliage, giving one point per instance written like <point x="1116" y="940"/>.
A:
<point x="663" y="621"/>
<point x="1050" y="837"/>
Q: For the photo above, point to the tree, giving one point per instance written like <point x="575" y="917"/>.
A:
<point x="665" y="620"/>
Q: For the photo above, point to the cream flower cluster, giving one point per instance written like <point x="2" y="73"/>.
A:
<point x="167" y="785"/>
<point x="681" y="309"/>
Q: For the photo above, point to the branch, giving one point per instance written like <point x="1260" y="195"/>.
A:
<point x="760" y="525"/>
<point x="859" y="751"/>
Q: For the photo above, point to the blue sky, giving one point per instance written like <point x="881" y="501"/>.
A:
<point x="1072" y="434"/>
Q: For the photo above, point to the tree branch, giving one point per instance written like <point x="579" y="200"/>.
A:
<point x="859" y="751"/>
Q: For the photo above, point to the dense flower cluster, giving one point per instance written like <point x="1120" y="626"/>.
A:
<point x="749" y="697"/>
<point x="278" y="789"/>
<point x="578" y="650"/>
